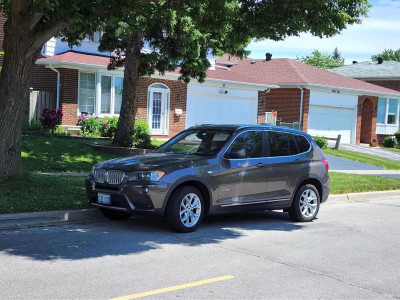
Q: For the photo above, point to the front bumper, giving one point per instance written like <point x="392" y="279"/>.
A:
<point x="128" y="196"/>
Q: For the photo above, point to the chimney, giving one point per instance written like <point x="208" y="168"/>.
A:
<point x="268" y="56"/>
<point x="355" y="62"/>
<point x="380" y="60"/>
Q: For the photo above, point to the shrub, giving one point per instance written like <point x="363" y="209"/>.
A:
<point x="321" y="142"/>
<point x="34" y="125"/>
<point x="51" y="118"/>
<point x="388" y="142"/>
<point x="108" y="126"/>
<point x="141" y="136"/>
<point x="59" y="130"/>
<point x="397" y="136"/>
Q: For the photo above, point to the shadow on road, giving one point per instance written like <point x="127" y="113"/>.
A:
<point x="140" y="234"/>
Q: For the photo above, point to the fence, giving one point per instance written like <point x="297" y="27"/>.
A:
<point x="38" y="101"/>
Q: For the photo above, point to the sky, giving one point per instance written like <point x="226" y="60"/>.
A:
<point x="381" y="30"/>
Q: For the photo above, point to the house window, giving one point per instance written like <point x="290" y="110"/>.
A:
<point x="105" y="94"/>
<point x="87" y="92"/>
<point x="388" y="111"/>
<point x="118" y="84"/>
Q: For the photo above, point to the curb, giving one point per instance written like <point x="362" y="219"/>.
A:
<point x="363" y="197"/>
<point x="35" y="219"/>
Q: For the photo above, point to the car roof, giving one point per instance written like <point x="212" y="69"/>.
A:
<point x="237" y="127"/>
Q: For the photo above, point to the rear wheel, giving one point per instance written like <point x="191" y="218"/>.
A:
<point x="116" y="215"/>
<point x="305" y="204"/>
<point x="185" y="209"/>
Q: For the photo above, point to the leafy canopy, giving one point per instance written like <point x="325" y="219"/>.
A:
<point x="388" y="54"/>
<point x="321" y="60"/>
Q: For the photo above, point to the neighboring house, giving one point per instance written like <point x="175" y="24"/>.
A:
<point x="384" y="110"/>
<point x="235" y="91"/>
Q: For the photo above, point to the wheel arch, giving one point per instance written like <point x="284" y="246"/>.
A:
<point x="191" y="181"/>
<point x="311" y="180"/>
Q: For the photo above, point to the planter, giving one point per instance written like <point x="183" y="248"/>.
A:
<point x="109" y="148"/>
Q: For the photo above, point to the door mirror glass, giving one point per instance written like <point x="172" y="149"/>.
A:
<point x="237" y="153"/>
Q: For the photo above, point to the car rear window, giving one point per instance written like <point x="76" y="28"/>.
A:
<point x="285" y="144"/>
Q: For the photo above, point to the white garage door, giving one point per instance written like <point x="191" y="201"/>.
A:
<point x="331" y="121"/>
<point x="218" y="109"/>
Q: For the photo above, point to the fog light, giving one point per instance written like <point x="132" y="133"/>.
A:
<point x="144" y="190"/>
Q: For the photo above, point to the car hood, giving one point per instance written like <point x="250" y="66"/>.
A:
<point x="152" y="162"/>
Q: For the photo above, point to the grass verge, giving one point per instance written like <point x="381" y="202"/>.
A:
<point x="42" y="193"/>
<point x="391" y="149"/>
<point x="45" y="193"/>
<point x="351" y="183"/>
<point x="365" y="158"/>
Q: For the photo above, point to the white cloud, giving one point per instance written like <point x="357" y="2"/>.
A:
<point x="358" y="42"/>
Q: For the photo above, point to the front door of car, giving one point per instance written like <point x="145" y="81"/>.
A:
<point x="288" y="163"/>
<point x="242" y="177"/>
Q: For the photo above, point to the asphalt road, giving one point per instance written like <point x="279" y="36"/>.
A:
<point x="351" y="251"/>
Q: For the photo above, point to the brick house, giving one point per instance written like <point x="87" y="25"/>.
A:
<point x="235" y="91"/>
<point x="384" y="110"/>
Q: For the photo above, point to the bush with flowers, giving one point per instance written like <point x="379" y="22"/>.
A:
<point x="51" y="118"/>
<point x="94" y="126"/>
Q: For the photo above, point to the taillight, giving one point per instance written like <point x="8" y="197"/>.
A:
<point x="325" y="162"/>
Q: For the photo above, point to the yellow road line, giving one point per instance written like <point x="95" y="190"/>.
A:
<point x="174" y="288"/>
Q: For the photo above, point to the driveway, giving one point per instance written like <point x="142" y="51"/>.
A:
<point x="376" y="151"/>
<point x="342" y="165"/>
<point x="350" y="251"/>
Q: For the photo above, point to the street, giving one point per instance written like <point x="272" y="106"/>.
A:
<point x="350" y="251"/>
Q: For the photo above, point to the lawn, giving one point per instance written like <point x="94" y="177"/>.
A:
<point x="365" y="158"/>
<point x="42" y="192"/>
<point x="342" y="183"/>
<point x="51" y="154"/>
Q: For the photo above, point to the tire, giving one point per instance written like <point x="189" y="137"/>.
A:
<point x="180" y="217"/>
<point x="305" y="204"/>
<point x="116" y="215"/>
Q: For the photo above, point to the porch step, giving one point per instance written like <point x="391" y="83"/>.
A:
<point x="364" y="145"/>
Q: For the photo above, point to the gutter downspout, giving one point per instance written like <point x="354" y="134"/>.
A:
<point x="58" y="85"/>
<point x="301" y="106"/>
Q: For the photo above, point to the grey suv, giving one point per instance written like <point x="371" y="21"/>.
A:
<point x="212" y="169"/>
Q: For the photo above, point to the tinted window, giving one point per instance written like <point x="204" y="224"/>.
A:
<point x="278" y="144"/>
<point x="302" y="143"/>
<point x="198" y="142"/>
<point x="251" y="141"/>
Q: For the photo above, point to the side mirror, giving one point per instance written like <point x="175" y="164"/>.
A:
<point x="237" y="153"/>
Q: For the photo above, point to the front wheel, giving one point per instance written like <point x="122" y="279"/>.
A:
<point x="305" y="204"/>
<point x="116" y="215"/>
<point x="185" y="209"/>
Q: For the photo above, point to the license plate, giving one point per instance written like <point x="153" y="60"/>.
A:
<point x="104" y="198"/>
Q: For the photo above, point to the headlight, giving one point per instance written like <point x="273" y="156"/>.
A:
<point x="146" y="176"/>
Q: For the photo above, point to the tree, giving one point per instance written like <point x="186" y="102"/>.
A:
<point x="30" y="23"/>
<point x="337" y="55"/>
<point x="388" y="54"/>
<point x="182" y="33"/>
<point x="321" y="60"/>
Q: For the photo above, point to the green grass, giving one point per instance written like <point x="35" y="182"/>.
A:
<point x="51" y="154"/>
<point x="365" y="158"/>
<point x="42" y="193"/>
<point x="350" y="183"/>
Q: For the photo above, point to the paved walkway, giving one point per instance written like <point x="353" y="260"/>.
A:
<point x="376" y="151"/>
<point x="342" y="165"/>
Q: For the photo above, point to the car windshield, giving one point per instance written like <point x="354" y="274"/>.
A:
<point x="198" y="142"/>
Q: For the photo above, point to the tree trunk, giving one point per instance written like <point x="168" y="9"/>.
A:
<point x="126" y="123"/>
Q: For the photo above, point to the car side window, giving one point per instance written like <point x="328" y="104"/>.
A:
<point x="278" y="143"/>
<point x="302" y="143"/>
<point x="251" y="141"/>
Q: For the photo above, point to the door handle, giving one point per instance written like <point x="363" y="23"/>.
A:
<point x="259" y="165"/>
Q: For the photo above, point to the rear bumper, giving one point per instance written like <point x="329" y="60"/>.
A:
<point x="128" y="197"/>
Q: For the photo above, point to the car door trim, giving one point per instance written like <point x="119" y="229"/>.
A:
<point x="257" y="202"/>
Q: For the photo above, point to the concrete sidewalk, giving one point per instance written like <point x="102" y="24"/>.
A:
<point x="375" y="151"/>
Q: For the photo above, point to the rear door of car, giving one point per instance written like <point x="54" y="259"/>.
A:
<point x="243" y="180"/>
<point x="289" y="159"/>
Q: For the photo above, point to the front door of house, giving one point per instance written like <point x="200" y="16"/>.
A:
<point x="158" y="111"/>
